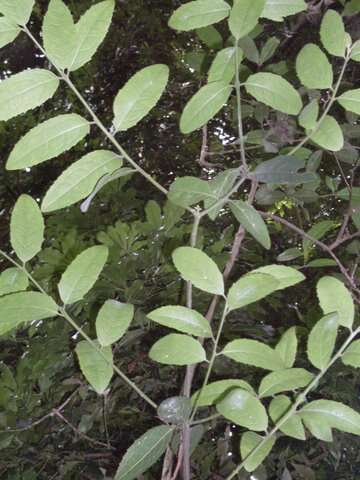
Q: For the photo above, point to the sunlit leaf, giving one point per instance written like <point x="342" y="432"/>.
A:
<point x="350" y="100"/>
<point x="321" y="341"/>
<point x="216" y="391"/>
<point x="284" y="380"/>
<point x="351" y="356"/>
<point x="177" y="349"/>
<point x="335" y="297"/>
<point x="252" y="221"/>
<point x="17" y="11"/>
<point x="328" y="135"/>
<point x="223" y="66"/>
<point x="244" y="16"/>
<point x="183" y="319"/>
<point x="251" y="441"/>
<point x="313" y="67"/>
<point x="13" y="280"/>
<point x="293" y="427"/>
<point x="332" y="33"/>
<point x="112" y="321"/>
<point x="287" y="347"/>
<point x="187" y="191"/>
<point x="334" y="414"/>
<point x="309" y="115"/>
<point x="96" y="369"/>
<point x="252" y="352"/>
<point x="199" y="13"/>
<point x="8" y="31"/>
<point x="286" y="276"/>
<point x="278" y="9"/>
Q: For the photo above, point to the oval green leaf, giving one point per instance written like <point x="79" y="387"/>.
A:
<point x="309" y="115"/>
<point x="334" y="414"/>
<point x="252" y="352"/>
<point x="252" y="221"/>
<point x="176" y="349"/>
<point x="251" y="441"/>
<point x="251" y="288"/>
<point x="335" y="297"/>
<point x="199" y="13"/>
<point x="350" y="100"/>
<point x="244" y="16"/>
<point x="278" y="9"/>
<point x="328" y="134"/>
<point x="287" y="347"/>
<point x="8" y="31"/>
<point x="284" y="380"/>
<point x="352" y="355"/>
<point x="286" y="276"/>
<point x="112" y="321"/>
<point x="332" y="33"/>
<point x="313" y="68"/>
<point x="223" y="66"/>
<point x="97" y="368"/>
<point x="216" y="391"/>
<point x="293" y="427"/>
<point x="13" y="280"/>
<point x="321" y="341"/>
<point x="18" y="11"/>
<point x="183" y="319"/>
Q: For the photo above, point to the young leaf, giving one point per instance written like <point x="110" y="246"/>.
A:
<point x="223" y="66"/>
<point x="96" y="369"/>
<point x="287" y="347"/>
<point x="144" y="453"/>
<point x="286" y="276"/>
<point x="309" y="115"/>
<point x="175" y="410"/>
<point x="177" y="349"/>
<point x="244" y="16"/>
<point x="204" y="105"/>
<point x="250" y="441"/>
<point x="321" y="341"/>
<point x="199" y="269"/>
<point x="187" y="191"/>
<point x="25" y="91"/>
<point x="81" y="274"/>
<point x="199" y="13"/>
<point x="18" y="308"/>
<point x="328" y="135"/>
<point x="48" y="140"/>
<point x="80" y="179"/>
<point x="112" y="321"/>
<point x="18" y="11"/>
<point x="26" y="228"/>
<point x="8" y="31"/>
<point x="284" y="380"/>
<point x="251" y="220"/>
<point x="183" y="319"/>
<point x="352" y="355"/>
<point x="251" y="288"/>
<point x="334" y="414"/>
<point x="350" y="100"/>
<point x="293" y="427"/>
<point x="317" y="231"/>
<point x="216" y="391"/>
<point x="313" y="68"/>
<point x="283" y="170"/>
<point x="274" y="91"/>
<point x="252" y="352"/>
<point x="244" y="409"/>
<point x="335" y="297"/>
<point x="139" y="95"/>
<point x="13" y="280"/>
<point x="332" y="33"/>
<point x="278" y="9"/>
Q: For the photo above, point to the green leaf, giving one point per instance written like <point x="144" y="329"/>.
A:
<point x="112" y="321"/>
<point x="328" y="135"/>
<point x="18" y="308"/>
<point x="144" y="453"/>
<point x="210" y="36"/>
<point x="318" y="428"/>
<point x="13" y="280"/>
<point x="199" y="13"/>
<point x="251" y="220"/>
<point x="317" y="231"/>
<point x="252" y="352"/>
<point x="283" y="170"/>
<point x="335" y="297"/>
<point x="80" y="179"/>
<point x="309" y="115"/>
<point x="355" y="52"/>
<point x="175" y="410"/>
<point x="287" y="347"/>
<point x="8" y="31"/>
<point x="286" y="276"/>
<point x="82" y="273"/>
<point x="216" y="391"/>
<point x="350" y="100"/>
<point x="293" y="427"/>
<point x="269" y="49"/>
<point x="223" y="66"/>
<point x="332" y="33"/>
<point x="251" y="288"/>
<point x="26" y="228"/>
<point x="48" y="140"/>
<point x="25" y="91"/>
<point x="187" y="191"/>
<point x="278" y="9"/>
<point x="204" y="105"/>
<point x="344" y="194"/>
<point x="289" y="254"/>
<point x="183" y="319"/>
<point x="220" y="186"/>
<point x="313" y="68"/>
<point x="249" y="442"/>
<point x="139" y="95"/>
<point x="18" y="11"/>
<point x="351" y="356"/>
<point x="199" y="269"/>
<point x="321" y="341"/>
<point x="321" y="262"/>
<point x="334" y="414"/>
<point x="90" y="31"/>
<point x="284" y="380"/>
<point x="96" y="369"/>
<point x="244" y="409"/>
<point x="274" y="91"/>
<point x="244" y="16"/>
<point x="177" y="349"/>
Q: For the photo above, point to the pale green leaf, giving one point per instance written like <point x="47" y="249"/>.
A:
<point x="278" y="9"/>
<point x="287" y="347"/>
<point x="177" y="349"/>
<point x="187" y="191"/>
<point x="284" y="380"/>
<point x="82" y="273"/>
<point x="286" y="276"/>
<point x="252" y="221"/>
<point x="18" y="308"/>
<point x="274" y="91"/>
<point x="283" y="170"/>
<point x="317" y="231"/>
<point x="244" y="409"/>
<point x="252" y="352"/>
<point x="199" y="269"/>
<point x="26" y="228"/>
<point x="313" y="67"/>
<point x="223" y="66"/>
<point x="309" y="115"/>
<point x="48" y="140"/>
<point x="251" y="441"/>
<point x="350" y="100"/>
<point x="80" y="179"/>
<point x="204" y="105"/>
<point x="335" y="297"/>
<point x="8" y="31"/>
<point x="183" y="319"/>
<point x="317" y="427"/>
<point x="351" y="356"/>
<point x="321" y="341"/>
<point x="355" y="52"/>
<point x="112" y="321"/>
<point x="251" y="288"/>
<point x="13" y="280"/>
<point x="144" y="452"/>
<point x="332" y="33"/>
<point x="216" y="391"/>
<point x="25" y="91"/>
<point x="18" y="11"/>
<point x="334" y="414"/>
<point x="96" y="369"/>
<point x="328" y="135"/>
<point x="293" y="427"/>
<point x="219" y="187"/>
<point x="139" y="95"/>
<point x="244" y="16"/>
<point x="199" y="13"/>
